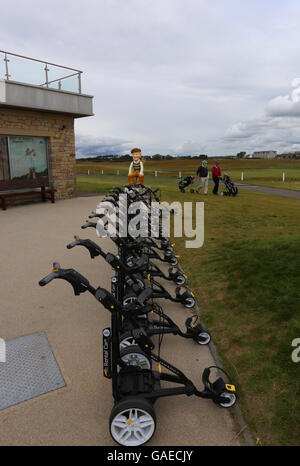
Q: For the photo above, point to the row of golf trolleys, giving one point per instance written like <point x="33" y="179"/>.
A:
<point x="140" y="267"/>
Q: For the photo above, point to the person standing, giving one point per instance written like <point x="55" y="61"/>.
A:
<point x="216" y="175"/>
<point x="202" y="177"/>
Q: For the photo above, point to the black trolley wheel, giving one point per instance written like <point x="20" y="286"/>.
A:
<point x="132" y="421"/>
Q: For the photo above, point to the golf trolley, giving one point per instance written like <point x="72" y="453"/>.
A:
<point x="230" y="188"/>
<point x="185" y="182"/>
<point x="132" y="278"/>
<point x="135" y="389"/>
<point x="134" y="265"/>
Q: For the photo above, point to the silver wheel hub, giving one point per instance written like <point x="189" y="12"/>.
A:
<point x="136" y="359"/>
<point x="132" y="427"/>
<point x="230" y="399"/>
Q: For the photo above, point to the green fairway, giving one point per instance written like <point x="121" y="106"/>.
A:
<point x="247" y="281"/>
<point x="101" y="183"/>
<point x="272" y="177"/>
<point x="256" y="172"/>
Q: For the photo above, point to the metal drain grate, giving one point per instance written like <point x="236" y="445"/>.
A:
<point x="30" y="370"/>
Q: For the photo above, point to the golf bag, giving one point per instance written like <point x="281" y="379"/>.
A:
<point x="230" y="188"/>
<point x="185" y="183"/>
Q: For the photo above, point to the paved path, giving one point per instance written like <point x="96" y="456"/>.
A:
<point x="267" y="190"/>
<point x="32" y="237"/>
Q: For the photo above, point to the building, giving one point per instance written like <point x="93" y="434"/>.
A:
<point x="265" y="154"/>
<point x="289" y="155"/>
<point x="39" y="102"/>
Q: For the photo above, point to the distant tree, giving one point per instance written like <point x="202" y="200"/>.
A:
<point x="240" y="155"/>
<point x="203" y="156"/>
<point x="156" y="157"/>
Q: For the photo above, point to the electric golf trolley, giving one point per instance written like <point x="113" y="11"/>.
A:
<point x="135" y="390"/>
<point x="132" y="278"/>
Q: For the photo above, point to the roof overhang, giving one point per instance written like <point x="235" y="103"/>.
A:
<point x="26" y="96"/>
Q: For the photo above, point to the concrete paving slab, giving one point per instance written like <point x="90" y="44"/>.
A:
<point x="30" y="370"/>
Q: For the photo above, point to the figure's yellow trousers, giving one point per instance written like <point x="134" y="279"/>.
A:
<point x="132" y="177"/>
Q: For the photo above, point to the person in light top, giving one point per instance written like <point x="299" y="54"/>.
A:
<point x="136" y="169"/>
<point x="201" y="178"/>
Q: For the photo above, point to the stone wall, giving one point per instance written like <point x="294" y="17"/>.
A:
<point x="59" y="129"/>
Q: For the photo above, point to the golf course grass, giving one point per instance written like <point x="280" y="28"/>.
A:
<point x="247" y="282"/>
<point x="255" y="172"/>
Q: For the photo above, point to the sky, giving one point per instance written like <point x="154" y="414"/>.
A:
<point x="173" y="77"/>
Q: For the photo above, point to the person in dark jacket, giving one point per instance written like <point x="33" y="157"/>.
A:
<point x="202" y="178"/>
<point x="216" y="175"/>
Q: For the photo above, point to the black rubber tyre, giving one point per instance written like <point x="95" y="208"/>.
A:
<point x="189" y="302"/>
<point x="133" y="355"/>
<point x="203" y="338"/>
<point x="180" y="280"/>
<point x="231" y="400"/>
<point x="129" y="298"/>
<point x="126" y="340"/>
<point x="120" y="415"/>
<point x="174" y="261"/>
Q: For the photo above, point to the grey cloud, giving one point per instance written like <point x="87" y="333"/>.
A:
<point x="88" y="146"/>
<point x="168" y="75"/>
<point x="279" y="128"/>
<point x="288" y="105"/>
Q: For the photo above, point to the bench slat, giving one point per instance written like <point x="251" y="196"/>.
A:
<point x="44" y="193"/>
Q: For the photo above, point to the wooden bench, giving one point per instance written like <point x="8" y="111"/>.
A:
<point x="20" y="188"/>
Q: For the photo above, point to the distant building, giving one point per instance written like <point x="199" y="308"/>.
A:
<point x="265" y="154"/>
<point x="289" y="155"/>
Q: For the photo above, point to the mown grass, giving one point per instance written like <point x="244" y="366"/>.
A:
<point x="247" y="281"/>
<point x="256" y="172"/>
<point x="246" y="278"/>
<point x="101" y="183"/>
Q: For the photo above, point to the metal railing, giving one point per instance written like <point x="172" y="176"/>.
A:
<point x="19" y="68"/>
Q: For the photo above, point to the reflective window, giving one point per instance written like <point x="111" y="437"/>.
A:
<point x="28" y="158"/>
<point x="23" y="158"/>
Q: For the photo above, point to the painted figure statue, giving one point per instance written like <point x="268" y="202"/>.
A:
<point x="136" y="169"/>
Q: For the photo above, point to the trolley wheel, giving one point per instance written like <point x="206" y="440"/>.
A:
<point x="202" y="338"/>
<point x="129" y="298"/>
<point x="132" y="422"/>
<point x="174" y="261"/>
<point x="228" y="399"/>
<point x="126" y="340"/>
<point x="169" y="250"/>
<point x="134" y="356"/>
<point x="180" y="280"/>
<point x="189" y="302"/>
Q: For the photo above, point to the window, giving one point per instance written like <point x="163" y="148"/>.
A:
<point x="4" y="165"/>
<point x="23" y="158"/>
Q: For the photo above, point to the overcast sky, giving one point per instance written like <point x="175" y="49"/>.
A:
<point x="172" y="76"/>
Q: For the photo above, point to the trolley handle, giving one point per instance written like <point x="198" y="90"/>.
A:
<point x="95" y="215"/>
<point x="79" y="283"/>
<point x="89" y="224"/>
<point x="90" y="245"/>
